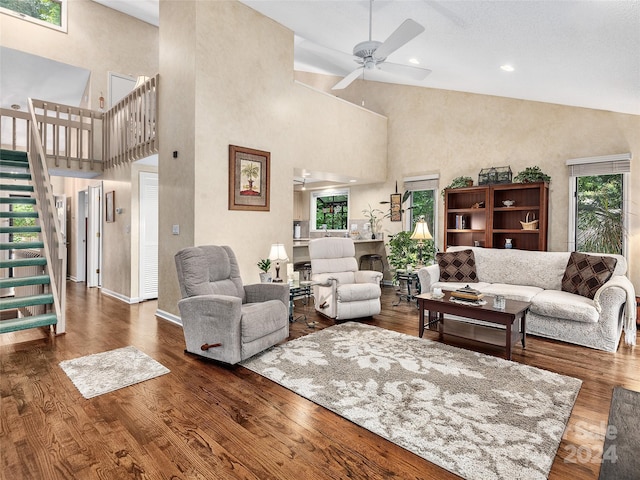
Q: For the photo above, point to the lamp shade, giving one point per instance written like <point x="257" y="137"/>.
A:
<point x="421" y="230"/>
<point x="278" y="253"/>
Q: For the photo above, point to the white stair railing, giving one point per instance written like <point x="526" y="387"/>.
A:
<point x="55" y="249"/>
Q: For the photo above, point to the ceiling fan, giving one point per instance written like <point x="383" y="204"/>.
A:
<point x="372" y="54"/>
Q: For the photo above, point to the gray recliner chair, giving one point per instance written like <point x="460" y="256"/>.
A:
<point x="223" y="319"/>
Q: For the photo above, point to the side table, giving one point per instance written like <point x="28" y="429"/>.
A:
<point x="412" y="282"/>
<point x="302" y="290"/>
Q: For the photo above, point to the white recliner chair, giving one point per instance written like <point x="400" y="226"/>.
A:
<point x="344" y="291"/>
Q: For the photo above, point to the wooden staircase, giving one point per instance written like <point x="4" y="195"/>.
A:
<point x="26" y="272"/>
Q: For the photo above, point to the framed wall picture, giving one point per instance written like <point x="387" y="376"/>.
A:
<point x="249" y="179"/>
<point x="109" y="206"/>
<point x="396" y="207"/>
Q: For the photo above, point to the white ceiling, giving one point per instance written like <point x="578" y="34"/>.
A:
<point x="25" y="75"/>
<point x="573" y="52"/>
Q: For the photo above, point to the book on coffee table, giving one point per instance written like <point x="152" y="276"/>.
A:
<point x="467" y="293"/>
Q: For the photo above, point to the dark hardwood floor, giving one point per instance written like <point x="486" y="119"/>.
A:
<point x="206" y="421"/>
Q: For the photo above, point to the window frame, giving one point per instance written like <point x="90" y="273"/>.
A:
<point x="618" y="165"/>
<point x="63" y="17"/>
<point x="419" y="184"/>
<point x="326" y="193"/>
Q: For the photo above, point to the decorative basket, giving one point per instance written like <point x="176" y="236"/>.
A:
<point x="529" y="225"/>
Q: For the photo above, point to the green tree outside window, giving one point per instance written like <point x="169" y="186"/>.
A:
<point x="46" y="10"/>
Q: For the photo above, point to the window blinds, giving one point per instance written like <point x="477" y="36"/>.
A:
<point x="427" y="182"/>
<point x="605" y="165"/>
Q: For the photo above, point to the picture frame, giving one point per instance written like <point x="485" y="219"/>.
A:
<point x="109" y="206"/>
<point x="249" y="179"/>
<point x="395" y="207"/>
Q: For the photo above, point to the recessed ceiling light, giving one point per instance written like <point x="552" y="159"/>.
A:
<point x="414" y="61"/>
<point x="507" y="68"/>
<point x="352" y="181"/>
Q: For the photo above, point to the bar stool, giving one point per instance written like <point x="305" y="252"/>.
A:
<point x="371" y="261"/>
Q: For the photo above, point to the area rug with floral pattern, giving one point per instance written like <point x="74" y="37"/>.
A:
<point x="478" y="416"/>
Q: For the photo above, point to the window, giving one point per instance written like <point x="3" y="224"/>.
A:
<point x="48" y="13"/>
<point x="422" y="201"/>
<point x="598" y="216"/>
<point x="330" y="210"/>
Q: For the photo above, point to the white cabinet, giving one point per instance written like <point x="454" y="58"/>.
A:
<point x="300" y="205"/>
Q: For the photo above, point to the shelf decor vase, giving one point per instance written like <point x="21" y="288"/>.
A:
<point x="508" y="243"/>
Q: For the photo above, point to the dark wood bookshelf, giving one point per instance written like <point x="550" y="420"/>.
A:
<point x="478" y="215"/>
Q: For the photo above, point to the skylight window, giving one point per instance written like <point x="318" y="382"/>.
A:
<point x="48" y="13"/>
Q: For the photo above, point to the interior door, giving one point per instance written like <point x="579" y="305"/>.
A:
<point x="148" y="235"/>
<point x="94" y="236"/>
<point x="81" y="237"/>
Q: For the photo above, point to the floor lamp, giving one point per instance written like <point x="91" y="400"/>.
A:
<point x="421" y="233"/>
<point x="278" y="254"/>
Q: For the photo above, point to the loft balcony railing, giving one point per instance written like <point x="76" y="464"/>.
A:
<point x="75" y="138"/>
<point x="131" y="126"/>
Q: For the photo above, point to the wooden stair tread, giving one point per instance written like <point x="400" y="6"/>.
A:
<point x="26" y="301"/>
<point x="21" y="229"/>
<point x="16" y="188"/>
<point x="18" y="214"/>
<point x="25" y="281"/>
<point x="34" y="321"/>
<point x="13" y="155"/>
<point x="15" y="176"/>
<point x="18" y="200"/>
<point x="21" y="245"/>
<point x="23" y="262"/>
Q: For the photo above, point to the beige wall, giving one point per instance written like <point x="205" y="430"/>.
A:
<point x="98" y="38"/>
<point x="454" y="133"/>
<point x="243" y="93"/>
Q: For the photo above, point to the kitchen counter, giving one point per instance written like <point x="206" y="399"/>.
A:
<point x="363" y="247"/>
<point x="303" y="242"/>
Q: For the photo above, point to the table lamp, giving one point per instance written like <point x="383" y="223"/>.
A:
<point x="278" y="254"/>
<point x="421" y="233"/>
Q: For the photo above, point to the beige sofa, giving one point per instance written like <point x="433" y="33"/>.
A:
<point x="536" y="277"/>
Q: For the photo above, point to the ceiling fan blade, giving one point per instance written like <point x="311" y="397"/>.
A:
<point x="346" y="81"/>
<point x="344" y="61"/>
<point x="408" y="30"/>
<point x="407" y="71"/>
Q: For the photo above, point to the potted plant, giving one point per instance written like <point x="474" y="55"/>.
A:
<point x="459" y="182"/>
<point x="403" y="252"/>
<point x="374" y="216"/>
<point x="531" y="175"/>
<point x="265" y="265"/>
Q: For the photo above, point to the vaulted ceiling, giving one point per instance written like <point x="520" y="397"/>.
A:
<point x="580" y="53"/>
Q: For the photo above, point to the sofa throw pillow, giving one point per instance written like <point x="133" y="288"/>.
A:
<point x="457" y="266"/>
<point x="585" y="274"/>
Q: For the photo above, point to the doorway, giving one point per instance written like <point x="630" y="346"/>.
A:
<point x="81" y="237"/>
<point x="94" y="236"/>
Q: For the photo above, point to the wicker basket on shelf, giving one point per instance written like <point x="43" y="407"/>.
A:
<point x="529" y="225"/>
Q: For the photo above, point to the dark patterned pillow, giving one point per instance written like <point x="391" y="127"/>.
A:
<point x="457" y="266"/>
<point x="585" y="274"/>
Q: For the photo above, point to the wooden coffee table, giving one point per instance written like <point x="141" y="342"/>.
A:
<point x="513" y="311"/>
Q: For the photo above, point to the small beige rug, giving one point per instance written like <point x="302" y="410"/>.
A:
<point x="105" y="372"/>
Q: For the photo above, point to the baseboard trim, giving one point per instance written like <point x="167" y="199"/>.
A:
<point x="170" y="317"/>
<point x="119" y="296"/>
